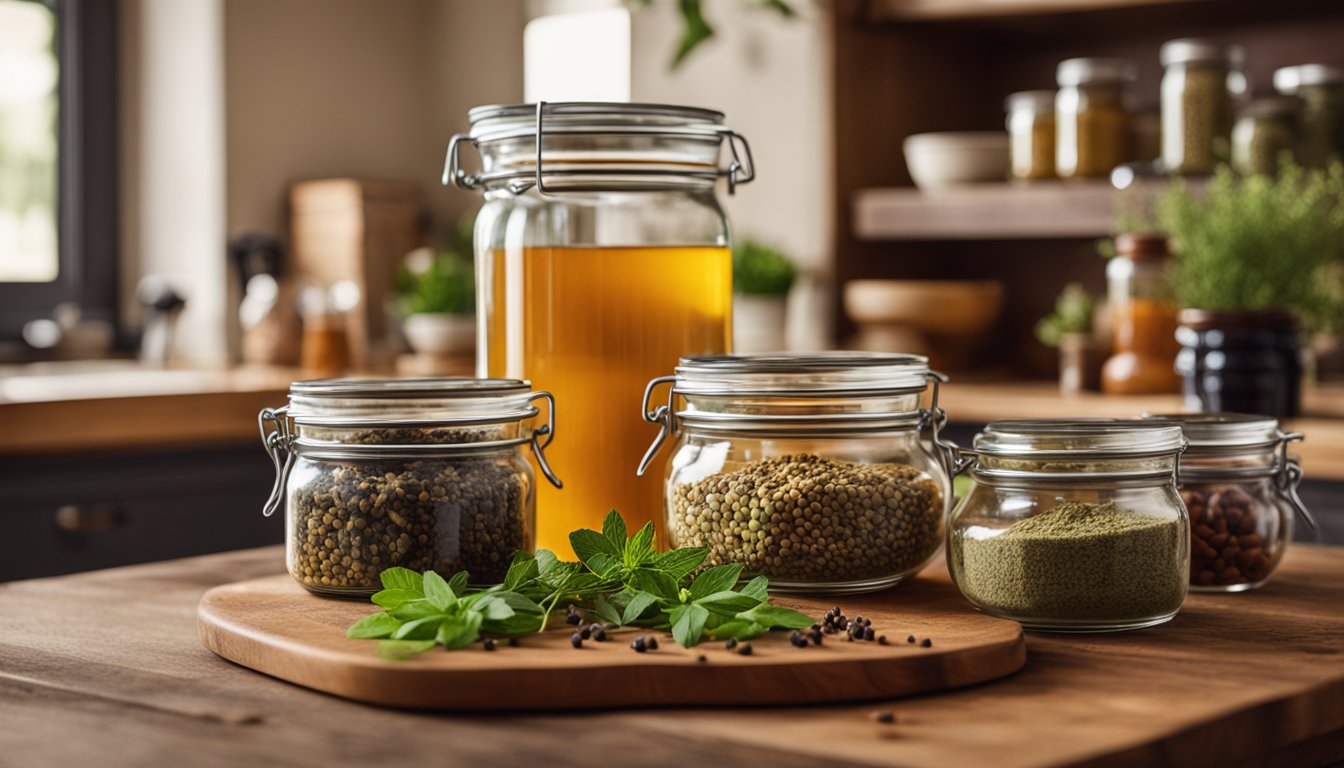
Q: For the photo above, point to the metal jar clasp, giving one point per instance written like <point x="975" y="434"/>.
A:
<point x="278" y="441"/>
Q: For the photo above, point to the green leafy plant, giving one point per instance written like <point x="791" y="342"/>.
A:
<point x="760" y="270"/>
<point x="1258" y="242"/>
<point x="442" y="282"/>
<point x="696" y="30"/>
<point x="1073" y="314"/>
<point x="618" y="578"/>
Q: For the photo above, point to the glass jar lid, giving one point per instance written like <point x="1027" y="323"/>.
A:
<point x="1079" y="438"/>
<point x="1220" y="432"/>
<point x="848" y="374"/>
<point x="1192" y="50"/>
<point x="409" y="402"/>
<point x="596" y="146"/>
<point x="1288" y="79"/>
<point x="1030" y="101"/>
<point x="1075" y="72"/>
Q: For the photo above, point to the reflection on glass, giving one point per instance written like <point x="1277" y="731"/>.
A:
<point x="27" y="142"/>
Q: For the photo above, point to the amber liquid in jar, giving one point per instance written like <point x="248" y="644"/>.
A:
<point x="592" y="325"/>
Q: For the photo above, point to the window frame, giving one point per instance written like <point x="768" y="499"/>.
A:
<point x="86" y="197"/>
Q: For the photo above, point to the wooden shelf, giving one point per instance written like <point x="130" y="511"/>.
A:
<point x="1047" y="210"/>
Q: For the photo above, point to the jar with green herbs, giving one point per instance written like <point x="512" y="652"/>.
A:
<point x="1196" y="105"/>
<point x="1321" y="89"/>
<point x="1239" y="484"/>
<point x="1094" y="115"/>
<point x="1072" y="525"/>
<point x="806" y="468"/>
<point x="1266" y="132"/>
<point x="1031" y="133"/>
<point x="418" y="473"/>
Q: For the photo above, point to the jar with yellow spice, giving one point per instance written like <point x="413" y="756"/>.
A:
<point x="1031" y="133"/>
<point x="1196" y="105"/>
<point x="1094" y="111"/>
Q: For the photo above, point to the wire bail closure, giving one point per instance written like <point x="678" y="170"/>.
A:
<point x="278" y="441"/>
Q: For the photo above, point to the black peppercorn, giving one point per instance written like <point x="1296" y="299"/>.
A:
<point x="882" y="640"/>
<point x="884" y="717"/>
<point x="652" y="643"/>
<point x="910" y="639"/>
<point x="513" y="642"/>
<point x="639" y="644"/>
<point x="576" y="640"/>
<point x="926" y="643"/>
<point x="745" y="650"/>
<point x="867" y="633"/>
<point x="573" y="619"/>
<point x="600" y="635"/>
<point x="488" y="644"/>
<point x="731" y="644"/>
<point x="701" y="658"/>
<point x="585" y="633"/>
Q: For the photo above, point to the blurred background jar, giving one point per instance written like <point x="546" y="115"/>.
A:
<point x="1031" y="131"/>
<point x="1196" y="105"/>
<point x="1266" y="128"/>
<point x="1321" y="89"/>
<point x="1143" y="318"/>
<point x="1094" y="111"/>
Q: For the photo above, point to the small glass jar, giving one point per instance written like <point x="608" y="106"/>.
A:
<point x="1196" y="105"/>
<point x="1031" y="131"/>
<point x="1321" y="89"/>
<point x="1266" y="128"/>
<point x="1094" y="114"/>
<point x="806" y="468"/>
<point x="1073" y="525"/>
<point x="1143" y="319"/>
<point x="1240" y="487"/>
<point x="423" y="474"/>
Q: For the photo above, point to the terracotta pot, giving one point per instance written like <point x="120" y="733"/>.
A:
<point x="1242" y="361"/>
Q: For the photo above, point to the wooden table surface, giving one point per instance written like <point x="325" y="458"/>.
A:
<point x="106" y="669"/>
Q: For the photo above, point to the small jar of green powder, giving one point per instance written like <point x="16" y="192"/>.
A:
<point x="1073" y="525"/>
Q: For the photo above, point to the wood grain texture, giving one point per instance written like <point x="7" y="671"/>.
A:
<point x="106" y="669"/>
<point x="273" y="626"/>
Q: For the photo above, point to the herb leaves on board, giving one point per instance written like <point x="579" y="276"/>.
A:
<point x="619" y="578"/>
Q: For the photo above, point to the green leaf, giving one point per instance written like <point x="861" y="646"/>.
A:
<point x="694" y="30"/>
<point x="460" y="631"/>
<point x="495" y="609"/>
<point x="728" y="602"/>
<point x="716" y="579"/>
<point x="639" y="549"/>
<point x="613" y="528"/>
<point x="420" y="629"/>
<point x="677" y="563"/>
<point x="458" y="583"/>
<point x="391" y="598"/>
<point x="522" y="569"/>
<point x="369" y="627"/>
<point x="587" y="543"/>
<point x="636" y="607"/>
<point x="403" y="649"/>
<point x="437" y="591"/>
<point x="783" y="8"/>
<point x="757" y="588"/>
<point x="414" y="609"/>
<point x="777" y="617"/>
<point x="656" y="582"/>
<point x="740" y="629"/>
<point x="606" y="611"/>
<point x="688" y="623"/>
<point x="403" y="578"/>
<point x="604" y="565"/>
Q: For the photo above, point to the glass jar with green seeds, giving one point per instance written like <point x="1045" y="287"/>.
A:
<point x="1072" y="525"/>
<point x="810" y="469"/>
<point x="1321" y="91"/>
<point x="423" y="474"/>
<point x="1197" y="107"/>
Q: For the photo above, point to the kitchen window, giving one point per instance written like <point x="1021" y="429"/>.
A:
<point x="58" y="143"/>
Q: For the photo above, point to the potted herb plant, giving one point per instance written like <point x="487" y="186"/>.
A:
<point x="762" y="279"/>
<point x="437" y="300"/>
<point x="1254" y="258"/>
<point x="1069" y="328"/>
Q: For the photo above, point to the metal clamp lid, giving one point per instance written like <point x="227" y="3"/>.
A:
<point x="741" y="170"/>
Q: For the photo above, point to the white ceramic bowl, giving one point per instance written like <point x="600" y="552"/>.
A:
<point x="440" y="334"/>
<point x="941" y="160"/>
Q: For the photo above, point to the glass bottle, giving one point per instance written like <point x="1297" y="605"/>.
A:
<point x="1266" y="128"/>
<point x="1321" y="89"/>
<point x="1094" y="111"/>
<point x="1031" y="131"/>
<point x="602" y="258"/>
<point x="1143" y="319"/>
<point x="1196" y="105"/>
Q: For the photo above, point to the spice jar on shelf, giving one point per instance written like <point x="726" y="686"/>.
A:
<point x="1072" y="525"/>
<point x="1266" y="128"/>
<point x="1031" y="132"/>
<point x="1143" y="319"/>
<point x="1321" y="89"/>
<point x="1196" y="105"/>
<point x="1094" y="110"/>
<point x="419" y="473"/>
<point x="807" y="468"/>
<point x="1240" y="487"/>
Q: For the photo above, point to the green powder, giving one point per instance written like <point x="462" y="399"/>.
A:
<point x="1077" y="563"/>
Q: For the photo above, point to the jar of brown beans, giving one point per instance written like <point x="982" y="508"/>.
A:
<point x="422" y="474"/>
<point x="1239" y="484"/>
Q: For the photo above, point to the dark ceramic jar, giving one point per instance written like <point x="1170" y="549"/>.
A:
<point x="1241" y="361"/>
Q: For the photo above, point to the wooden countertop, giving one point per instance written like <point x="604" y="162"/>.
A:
<point x="106" y="669"/>
<point x="1321" y="453"/>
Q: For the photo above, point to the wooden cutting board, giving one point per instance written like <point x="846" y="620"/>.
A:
<point x="273" y="626"/>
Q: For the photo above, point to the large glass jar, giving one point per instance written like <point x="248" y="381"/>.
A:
<point x="1321" y="89"/>
<point x="1240" y="486"/>
<point x="1196" y="105"/>
<point x="1094" y="115"/>
<point x="418" y="473"/>
<point x="1073" y="525"/>
<point x="1143" y="319"/>
<point x="1266" y="129"/>
<point x="806" y="468"/>
<point x="1031" y="132"/>
<point x="602" y="257"/>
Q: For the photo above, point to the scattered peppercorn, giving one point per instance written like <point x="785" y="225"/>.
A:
<point x="573" y="619"/>
<point x="639" y="644"/>
<point x="652" y="643"/>
<point x="488" y="644"/>
<point x="882" y="640"/>
<point x="513" y="642"/>
<point x="884" y="717"/>
<point x="576" y="640"/>
<point x="815" y="637"/>
<point x="867" y="633"/>
<point x="731" y="644"/>
<point x="745" y="650"/>
<point x="926" y="643"/>
<point x="701" y="658"/>
<point x="585" y="633"/>
<point x="910" y="639"/>
<point x="600" y="635"/>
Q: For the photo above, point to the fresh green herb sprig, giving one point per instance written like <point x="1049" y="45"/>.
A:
<point x="619" y="578"/>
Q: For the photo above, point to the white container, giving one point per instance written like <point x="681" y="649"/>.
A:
<point x="440" y="333"/>
<point x="759" y="323"/>
<point x="940" y="160"/>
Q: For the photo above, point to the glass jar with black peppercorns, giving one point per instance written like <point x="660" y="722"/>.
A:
<point x="422" y="474"/>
